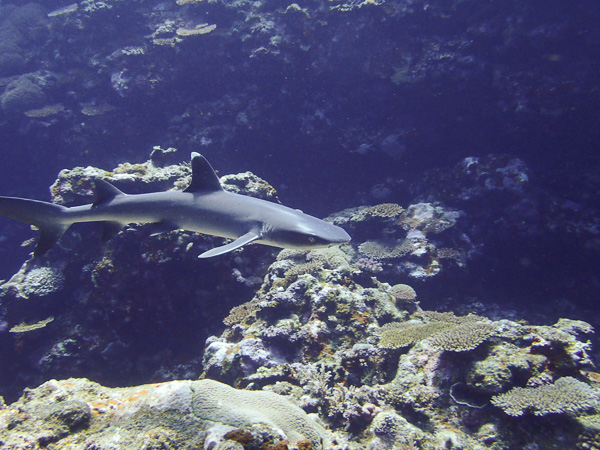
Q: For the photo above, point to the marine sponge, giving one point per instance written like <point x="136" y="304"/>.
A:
<point x="212" y="400"/>
<point x="463" y="337"/>
<point x="566" y="395"/>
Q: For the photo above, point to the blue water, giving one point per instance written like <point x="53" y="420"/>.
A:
<point x="335" y="108"/>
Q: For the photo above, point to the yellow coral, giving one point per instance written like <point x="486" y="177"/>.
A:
<point x="24" y="328"/>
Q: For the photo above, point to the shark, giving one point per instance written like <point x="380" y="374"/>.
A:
<point x="204" y="207"/>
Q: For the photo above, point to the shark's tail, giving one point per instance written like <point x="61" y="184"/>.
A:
<point x="49" y="218"/>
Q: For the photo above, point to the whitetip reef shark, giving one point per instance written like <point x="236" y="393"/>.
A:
<point x="204" y="207"/>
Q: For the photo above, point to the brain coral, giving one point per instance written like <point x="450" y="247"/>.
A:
<point x="219" y="402"/>
<point x="566" y="395"/>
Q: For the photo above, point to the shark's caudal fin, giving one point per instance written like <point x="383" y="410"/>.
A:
<point x="45" y="216"/>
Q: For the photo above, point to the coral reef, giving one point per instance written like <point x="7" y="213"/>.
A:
<point x="337" y="333"/>
<point x="177" y="414"/>
<point x="565" y="395"/>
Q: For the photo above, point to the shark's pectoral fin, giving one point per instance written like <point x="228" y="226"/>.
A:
<point x="162" y="227"/>
<point x="109" y="230"/>
<point x="242" y="240"/>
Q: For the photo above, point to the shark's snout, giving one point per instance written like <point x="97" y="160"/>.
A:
<point x="340" y="236"/>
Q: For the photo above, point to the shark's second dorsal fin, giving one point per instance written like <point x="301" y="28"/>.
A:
<point x="204" y="177"/>
<point x="105" y="192"/>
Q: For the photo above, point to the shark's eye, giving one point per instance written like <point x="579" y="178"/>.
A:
<point x="311" y="239"/>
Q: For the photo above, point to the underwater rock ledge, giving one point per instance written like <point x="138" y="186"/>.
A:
<point x="78" y="413"/>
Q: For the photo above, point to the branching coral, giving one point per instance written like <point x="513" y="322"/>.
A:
<point x="566" y="395"/>
<point x="385" y="210"/>
<point x="447" y="331"/>
<point x="403" y="335"/>
<point x="241" y="312"/>
<point x="463" y="337"/>
<point x="378" y="250"/>
<point x="403" y="292"/>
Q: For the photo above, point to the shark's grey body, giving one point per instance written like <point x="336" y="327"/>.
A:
<point x="203" y="207"/>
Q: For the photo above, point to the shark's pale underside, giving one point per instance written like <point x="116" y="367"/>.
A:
<point x="204" y="207"/>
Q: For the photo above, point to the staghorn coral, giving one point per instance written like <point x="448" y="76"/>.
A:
<point x="566" y="395"/>
<point x="464" y="337"/>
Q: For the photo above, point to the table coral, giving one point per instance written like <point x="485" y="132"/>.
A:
<point x="565" y="395"/>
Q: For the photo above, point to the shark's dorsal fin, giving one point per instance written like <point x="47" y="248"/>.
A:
<point x="204" y="177"/>
<point x="105" y="192"/>
<point x="242" y="240"/>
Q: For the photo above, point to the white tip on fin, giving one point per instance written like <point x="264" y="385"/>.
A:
<point x="242" y="240"/>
